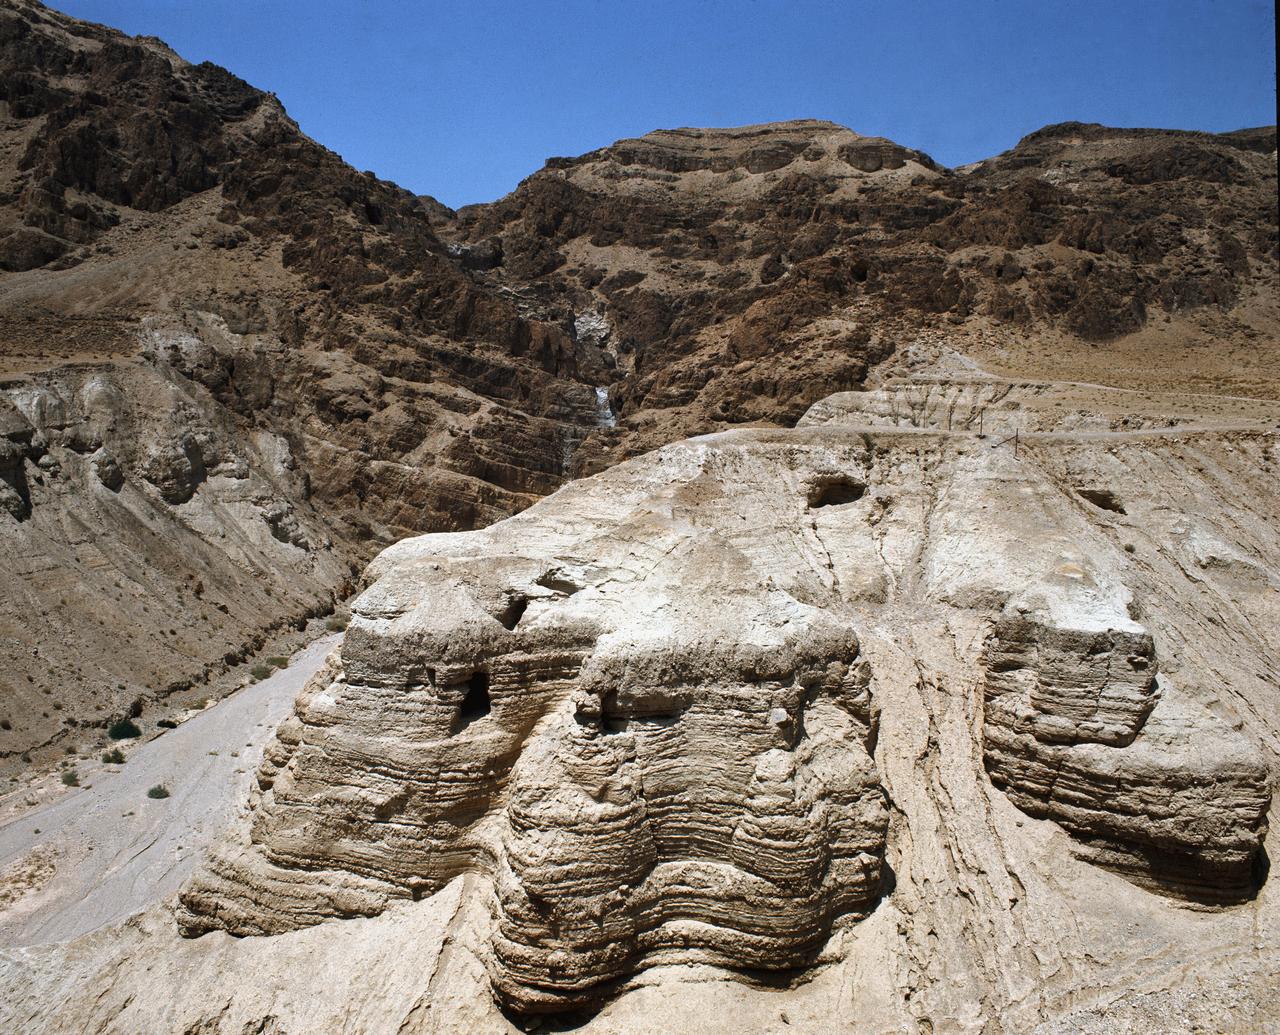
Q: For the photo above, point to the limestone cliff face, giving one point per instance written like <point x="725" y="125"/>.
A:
<point x="654" y="754"/>
<point x="650" y="712"/>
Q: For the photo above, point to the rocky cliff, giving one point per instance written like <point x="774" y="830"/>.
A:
<point x="234" y="367"/>
<point x="873" y="724"/>
<point x="740" y="275"/>
<point x="642" y="711"/>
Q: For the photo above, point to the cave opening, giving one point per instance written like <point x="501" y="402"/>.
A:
<point x="511" y="614"/>
<point x="476" y="703"/>
<point x="832" y="492"/>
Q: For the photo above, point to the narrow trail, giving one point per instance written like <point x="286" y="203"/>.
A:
<point x="115" y="851"/>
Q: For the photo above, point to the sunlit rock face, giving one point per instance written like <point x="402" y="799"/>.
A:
<point x="1182" y="808"/>
<point x="654" y="742"/>
<point x="646" y="711"/>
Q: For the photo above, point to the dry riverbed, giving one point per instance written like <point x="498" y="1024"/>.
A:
<point x="107" y="850"/>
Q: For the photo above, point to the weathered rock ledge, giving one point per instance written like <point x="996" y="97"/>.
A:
<point x="643" y="709"/>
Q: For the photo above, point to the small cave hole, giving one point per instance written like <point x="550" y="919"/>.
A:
<point x="554" y="581"/>
<point x="510" y="615"/>
<point x="832" y="492"/>
<point x="1103" y="499"/>
<point x="476" y="704"/>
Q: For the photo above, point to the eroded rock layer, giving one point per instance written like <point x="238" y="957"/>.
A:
<point x="645" y="710"/>
<point x="643" y="780"/>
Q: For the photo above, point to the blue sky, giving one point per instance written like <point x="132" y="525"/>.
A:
<point x="462" y="98"/>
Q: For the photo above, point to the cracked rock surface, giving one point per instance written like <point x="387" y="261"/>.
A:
<point x="882" y="726"/>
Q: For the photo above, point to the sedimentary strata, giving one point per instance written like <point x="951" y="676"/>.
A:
<point x="644" y="712"/>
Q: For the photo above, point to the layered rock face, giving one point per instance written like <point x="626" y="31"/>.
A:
<point x="648" y="711"/>
<point x="151" y="545"/>
<point x="1177" y="809"/>
<point x="654" y="754"/>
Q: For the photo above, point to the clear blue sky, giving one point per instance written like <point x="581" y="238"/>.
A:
<point x="462" y="98"/>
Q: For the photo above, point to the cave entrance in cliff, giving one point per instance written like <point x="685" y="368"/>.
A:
<point x="835" y="491"/>
<point x="476" y="703"/>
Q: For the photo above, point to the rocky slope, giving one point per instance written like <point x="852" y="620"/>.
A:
<point x="881" y="723"/>
<point x="231" y="366"/>
<point x="323" y="362"/>
<point x="741" y="274"/>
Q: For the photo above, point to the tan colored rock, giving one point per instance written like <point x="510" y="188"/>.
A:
<point x="645" y="710"/>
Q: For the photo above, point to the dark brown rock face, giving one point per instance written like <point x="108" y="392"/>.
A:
<point x="742" y="273"/>
<point x="360" y="300"/>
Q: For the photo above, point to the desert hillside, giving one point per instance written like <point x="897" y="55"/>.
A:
<point x="772" y="580"/>
<point x="233" y="363"/>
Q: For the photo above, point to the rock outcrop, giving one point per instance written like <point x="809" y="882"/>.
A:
<point x="654" y="754"/>
<point x="1181" y="808"/>
<point x="645" y="711"/>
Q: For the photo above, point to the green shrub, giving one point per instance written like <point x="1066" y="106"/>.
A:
<point x="113" y="757"/>
<point x="70" y="778"/>
<point x="260" y="671"/>
<point x="336" y="624"/>
<point x="278" y="662"/>
<point x="158" y="791"/>
<point x="123" y="729"/>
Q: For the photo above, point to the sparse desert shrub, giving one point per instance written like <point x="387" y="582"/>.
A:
<point x="158" y="791"/>
<point x="278" y="662"/>
<point x="5" y="724"/>
<point x="70" y="778"/>
<point x="113" y="757"/>
<point x="167" y="724"/>
<point x="336" y="624"/>
<point x="260" y="671"/>
<point x="123" y="729"/>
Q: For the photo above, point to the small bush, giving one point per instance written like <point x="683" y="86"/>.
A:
<point x="70" y="778"/>
<point x="167" y="724"/>
<point x="278" y="662"/>
<point x="158" y="791"/>
<point x="113" y="757"/>
<point x="123" y="729"/>
<point x="5" y="724"/>
<point x="260" y="671"/>
<point x="336" y="624"/>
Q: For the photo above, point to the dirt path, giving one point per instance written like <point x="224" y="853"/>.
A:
<point x="102" y="853"/>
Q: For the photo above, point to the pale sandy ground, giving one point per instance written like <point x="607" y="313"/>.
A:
<point x="107" y="850"/>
